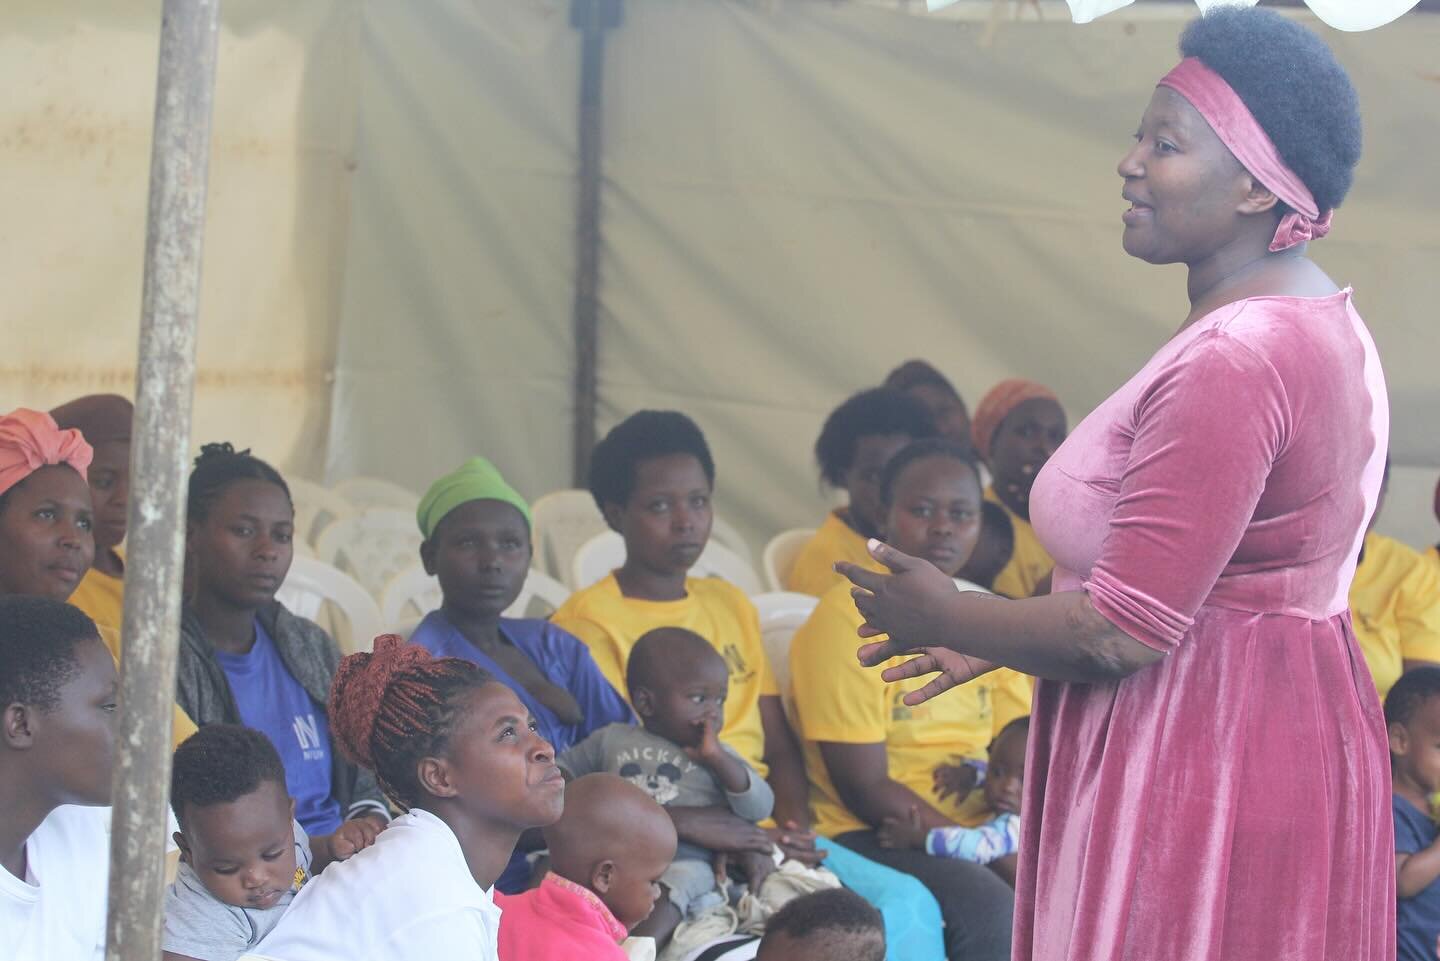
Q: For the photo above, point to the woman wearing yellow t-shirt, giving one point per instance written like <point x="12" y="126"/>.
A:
<point x="1394" y="604"/>
<point x="858" y="438"/>
<point x="104" y="420"/>
<point x="868" y="755"/>
<point x="1017" y="426"/>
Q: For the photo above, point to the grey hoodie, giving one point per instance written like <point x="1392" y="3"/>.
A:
<point x="311" y="657"/>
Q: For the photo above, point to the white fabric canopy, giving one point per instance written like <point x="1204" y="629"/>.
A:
<point x="797" y="196"/>
<point x="1340" y="14"/>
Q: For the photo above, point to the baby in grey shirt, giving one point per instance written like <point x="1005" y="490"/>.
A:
<point x="678" y="684"/>
<point x="243" y="856"/>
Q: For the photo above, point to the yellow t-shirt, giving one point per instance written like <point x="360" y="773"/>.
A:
<point x="610" y="623"/>
<point x="839" y="701"/>
<point x="1029" y="562"/>
<point x="814" y="568"/>
<point x="102" y="597"/>
<point x="1433" y="556"/>
<point x="1395" y="606"/>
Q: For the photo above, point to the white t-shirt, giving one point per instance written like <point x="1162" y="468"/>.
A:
<point x="57" y="911"/>
<point x="408" y="897"/>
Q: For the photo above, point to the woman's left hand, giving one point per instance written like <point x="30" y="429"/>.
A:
<point x="905" y="604"/>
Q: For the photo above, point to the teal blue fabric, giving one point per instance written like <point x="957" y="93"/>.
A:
<point x="913" y="929"/>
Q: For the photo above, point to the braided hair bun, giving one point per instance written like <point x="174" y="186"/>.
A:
<point x="395" y="705"/>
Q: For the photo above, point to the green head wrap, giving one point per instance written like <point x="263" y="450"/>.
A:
<point x="475" y="480"/>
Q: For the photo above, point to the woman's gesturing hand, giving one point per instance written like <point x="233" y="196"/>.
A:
<point x="950" y="670"/>
<point x="906" y="604"/>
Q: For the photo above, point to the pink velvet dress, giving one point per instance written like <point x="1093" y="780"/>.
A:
<point x="1231" y="802"/>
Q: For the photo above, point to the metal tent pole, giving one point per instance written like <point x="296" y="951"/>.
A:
<point x="165" y="382"/>
<point x="592" y="18"/>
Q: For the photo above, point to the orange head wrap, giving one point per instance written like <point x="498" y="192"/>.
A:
<point x="1002" y="399"/>
<point x="30" y="440"/>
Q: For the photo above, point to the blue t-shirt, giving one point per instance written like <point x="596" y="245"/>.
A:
<point x="274" y="703"/>
<point x="1417" y="918"/>
<point x="565" y="662"/>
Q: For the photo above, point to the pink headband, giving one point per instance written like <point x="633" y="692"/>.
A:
<point x="29" y="440"/>
<point x="1237" y="128"/>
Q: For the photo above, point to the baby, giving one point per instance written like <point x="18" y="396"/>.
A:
<point x="994" y="807"/>
<point x="833" y="925"/>
<point x="608" y="852"/>
<point x="243" y="856"/>
<point x="678" y="684"/>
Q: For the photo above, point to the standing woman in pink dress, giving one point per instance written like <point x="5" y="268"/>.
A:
<point x="1207" y="773"/>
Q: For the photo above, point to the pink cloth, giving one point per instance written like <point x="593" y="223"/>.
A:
<point x="1237" y="128"/>
<point x="1230" y="802"/>
<point x="558" y="921"/>
<point x="29" y="440"/>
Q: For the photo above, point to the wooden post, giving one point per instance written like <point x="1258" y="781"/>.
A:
<point x="165" y="382"/>
<point x="592" y="18"/>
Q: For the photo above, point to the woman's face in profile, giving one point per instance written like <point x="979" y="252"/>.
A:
<point x="1183" y="185"/>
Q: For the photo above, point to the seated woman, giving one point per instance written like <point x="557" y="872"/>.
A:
<point x="653" y="477"/>
<point x="46" y="522"/>
<point x="858" y="438"/>
<point x="1017" y="427"/>
<point x="57" y="744"/>
<point x="104" y="420"/>
<point x="1394" y="604"/>
<point x="947" y="408"/>
<point x="245" y="659"/>
<point x="459" y="753"/>
<point x="477" y="543"/>
<point x="871" y="758"/>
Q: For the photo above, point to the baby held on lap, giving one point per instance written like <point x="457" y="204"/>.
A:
<point x="991" y="809"/>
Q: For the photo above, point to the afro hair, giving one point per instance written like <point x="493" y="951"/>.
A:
<point x="1294" y="87"/>
<point x="645" y="435"/>
<point x="923" y="450"/>
<point x="38" y="641"/>
<point x="1410" y="693"/>
<point x="221" y="763"/>
<point x="879" y="411"/>
<point x="841" y="921"/>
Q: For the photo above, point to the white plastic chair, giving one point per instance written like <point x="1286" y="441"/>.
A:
<point x="563" y="521"/>
<point x="372" y="546"/>
<point x="596" y="558"/>
<point x="369" y="492"/>
<point x="780" y="553"/>
<point x="316" y="507"/>
<point x="725" y="533"/>
<point x="781" y="614"/>
<point x="315" y="590"/>
<point x="412" y="594"/>
<point x="604" y="552"/>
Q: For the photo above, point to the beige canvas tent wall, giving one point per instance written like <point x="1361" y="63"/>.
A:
<point x="798" y="195"/>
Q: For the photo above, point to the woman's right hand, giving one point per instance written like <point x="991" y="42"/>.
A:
<point x="718" y="829"/>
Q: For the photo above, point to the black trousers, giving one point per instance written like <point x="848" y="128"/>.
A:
<point x="977" y="906"/>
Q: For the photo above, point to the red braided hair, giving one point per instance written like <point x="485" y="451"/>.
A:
<point x="393" y="706"/>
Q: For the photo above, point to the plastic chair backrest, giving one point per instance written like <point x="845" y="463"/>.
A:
<point x="372" y="546"/>
<point x="316" y="590"/>
<point x="595" y="558"/>
<point x="781" y="614"/>
<point x="412" y="594"/>
<point x="368" y="492"/>
<point x="780" y="553"/>
<point x="316" y="507"/>
<point x="604" y="552"/>
<point x="717" y="560"/>
<point x="563" y="522"/>
<point x="727" y="534"/>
